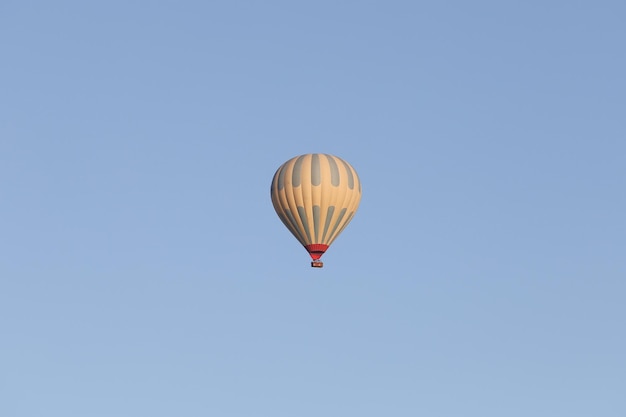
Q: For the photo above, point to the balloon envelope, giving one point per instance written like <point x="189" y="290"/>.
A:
<point x="316" y="196"/>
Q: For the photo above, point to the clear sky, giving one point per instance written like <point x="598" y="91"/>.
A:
<point x="143" y="271"/>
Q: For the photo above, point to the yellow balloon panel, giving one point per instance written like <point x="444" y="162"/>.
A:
<point x="316" y="196"/>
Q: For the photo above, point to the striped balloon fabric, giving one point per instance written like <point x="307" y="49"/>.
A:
<point x="316" y="196"/>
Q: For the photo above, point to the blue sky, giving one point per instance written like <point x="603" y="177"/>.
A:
<point x="144" y="272"/>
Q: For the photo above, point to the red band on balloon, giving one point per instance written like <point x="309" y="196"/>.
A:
<point x="316" y="250"/>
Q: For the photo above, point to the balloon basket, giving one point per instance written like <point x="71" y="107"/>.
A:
<point x="317" y="264"/>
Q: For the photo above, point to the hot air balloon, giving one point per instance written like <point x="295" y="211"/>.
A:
<point x="316" y="195"/>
